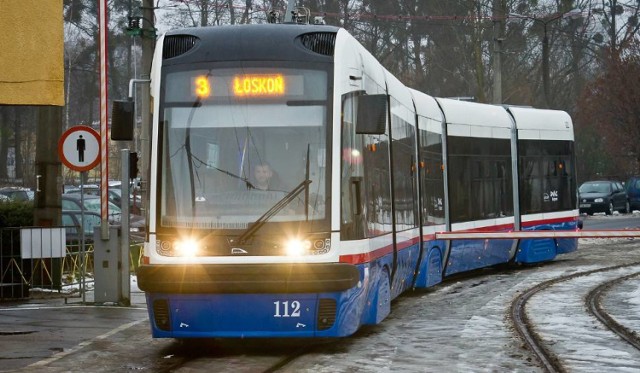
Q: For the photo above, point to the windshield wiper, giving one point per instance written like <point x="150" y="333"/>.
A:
<point x="273" y="211"/>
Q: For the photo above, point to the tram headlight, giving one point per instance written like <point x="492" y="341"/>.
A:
<point x="297" y="247"/>
<point x="300" y="247"/>
<point x="186" y="248"/>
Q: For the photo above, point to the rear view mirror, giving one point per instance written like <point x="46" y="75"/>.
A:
<point x="372" y="114"/>
<point x="122" y="121"/>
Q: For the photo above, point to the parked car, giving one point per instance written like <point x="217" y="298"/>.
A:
<point x="633" y="192"/>
<point x="114" y="194"/>
<point x="72" y="202"/>
<point x="602" y="196"/>
<point x="94" y="190"/>
<point x="72" y="221"/>
<point x="16" y="194"/>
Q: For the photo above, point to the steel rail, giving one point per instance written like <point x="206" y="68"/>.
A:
<point x="526" y="331"/>
<point x="593" y="302"/>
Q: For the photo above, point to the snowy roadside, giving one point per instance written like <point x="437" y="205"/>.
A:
<point x="461" y="326"/>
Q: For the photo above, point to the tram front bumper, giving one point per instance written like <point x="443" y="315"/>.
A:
<point x="247" y="278"/>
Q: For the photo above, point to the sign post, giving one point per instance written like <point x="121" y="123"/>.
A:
<point x="104" y="148"/>
<point x="79" y="149"/>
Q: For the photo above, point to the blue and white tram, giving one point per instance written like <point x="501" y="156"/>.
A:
<point x="362" y="174"/>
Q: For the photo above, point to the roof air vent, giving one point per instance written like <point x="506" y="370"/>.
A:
<point x="175" y="45"/>
<point x="320" y="42"/>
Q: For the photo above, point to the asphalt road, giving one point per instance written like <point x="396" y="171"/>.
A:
<point x="43" y="331"/>
<point x="616" y="221"/>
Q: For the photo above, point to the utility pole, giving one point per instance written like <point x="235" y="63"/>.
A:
<point x="129" y="44"/>
<point x="498" y="37"/>
<point x="288" y="14"/>
<point x="48" y="167"/>
<point x="545" y="65"/>
<point x="148" y="45"/>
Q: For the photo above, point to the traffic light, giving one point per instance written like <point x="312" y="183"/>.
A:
<point x="122" y="120"/>
<point x="134" y="28"/>
<point x="133" y="165"/>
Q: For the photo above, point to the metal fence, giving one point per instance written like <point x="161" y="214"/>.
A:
<point x="43" y="259"/>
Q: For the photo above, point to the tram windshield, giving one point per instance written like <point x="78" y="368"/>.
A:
<point x="241" y="145"/>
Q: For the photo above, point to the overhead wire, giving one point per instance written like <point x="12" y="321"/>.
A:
<point x="365" y="15"/>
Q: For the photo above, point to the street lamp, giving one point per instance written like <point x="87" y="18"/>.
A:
<point x="572" y="14"/>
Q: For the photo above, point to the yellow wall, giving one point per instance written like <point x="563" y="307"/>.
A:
<point x="31" y="52"/>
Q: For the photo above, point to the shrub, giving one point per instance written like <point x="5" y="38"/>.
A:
<point x="16" y="214"/>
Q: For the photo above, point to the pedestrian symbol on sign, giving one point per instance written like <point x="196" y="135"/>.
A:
<point x="80" y="146"/>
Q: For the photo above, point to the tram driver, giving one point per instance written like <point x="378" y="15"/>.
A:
<point x="265" y="178"/>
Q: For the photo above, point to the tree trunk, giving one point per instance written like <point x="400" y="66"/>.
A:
<point x="17" y="142"/>
<point x="47" y="210"/>
<point x="4" y="140"/>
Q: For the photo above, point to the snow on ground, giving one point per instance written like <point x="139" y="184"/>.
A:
<point x="582" y="342"/>
<point x="461" y="326"/>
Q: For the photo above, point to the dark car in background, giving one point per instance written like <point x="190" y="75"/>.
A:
<point x="602" y="196"/>
<point x="633" y="192"/>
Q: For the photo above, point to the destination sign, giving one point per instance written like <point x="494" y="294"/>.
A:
<point x="246" y="85"/>
<point x="259" y="85"/>
<point x="239" y="85"/>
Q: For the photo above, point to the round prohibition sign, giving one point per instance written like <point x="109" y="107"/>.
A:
<point x="79" y="148"/>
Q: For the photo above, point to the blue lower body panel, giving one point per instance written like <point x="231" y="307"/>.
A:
<point x="406" y="267"/>
<point x="430" y="272"/>
<point x="254" y="315"/>
<point x="231" y="315"/>
<point x="540" y="250"/>
<point x="467" y="255"/>
<point x="567" y="245"/>
<point x="196" y="313"/>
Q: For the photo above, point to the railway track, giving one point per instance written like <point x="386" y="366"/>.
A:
<point x="265" y="356"/>
<point x="526" y="329"/>
<point x="593" y="302"/>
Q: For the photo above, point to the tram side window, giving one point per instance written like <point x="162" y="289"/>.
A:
<point x="431" y="176"/>
<point x="547" y="177"/>
<point x="478" y="177"/>
<point x="459" y="188"/>
<point x="404" y="172"/>
<point x="365" y="179"/>
<point x="480" y="186"/>
<point x="376" y="180"/>
<point x="351" y="176"/>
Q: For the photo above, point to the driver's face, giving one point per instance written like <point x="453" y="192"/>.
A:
<point x="263" y="173"/>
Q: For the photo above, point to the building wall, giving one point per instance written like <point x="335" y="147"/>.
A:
<point x="31" y="52"/>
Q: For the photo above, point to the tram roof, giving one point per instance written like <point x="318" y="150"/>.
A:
<point x="474" y="119"/>
<point x="426" y="106"/>
<point x="542" y="124"/>
<point x="259" y="42"/>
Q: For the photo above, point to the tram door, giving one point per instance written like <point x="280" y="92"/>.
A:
<point x="404" y="187"/>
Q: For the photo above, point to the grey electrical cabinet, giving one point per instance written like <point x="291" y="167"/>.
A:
<point x="106" y="262"/>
